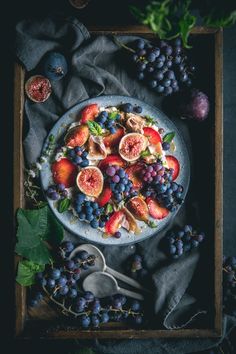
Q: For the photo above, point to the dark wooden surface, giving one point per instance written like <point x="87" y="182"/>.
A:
<point x="22" y="321"/>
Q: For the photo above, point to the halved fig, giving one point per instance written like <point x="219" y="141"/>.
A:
<point x="64" y="172"/>
<point x="96" y="147"/>
<point x="77" y="136"/>
<point x="173" y="163"/>
<point x="112" y="140"/>
<point x="90" y="181"/>
<point x="131" y="146"/>
<point x="135" y="174"/>
<point x="138" y="207"/>
<point x="155" y="209"/>
<point x="111" y="160"/>
<point x="89" y="113"/>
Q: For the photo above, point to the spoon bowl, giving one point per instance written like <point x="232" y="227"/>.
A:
<point x="102" y="284"/>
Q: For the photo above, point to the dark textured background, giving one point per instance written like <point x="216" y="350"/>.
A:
<point x="110" y="12"/>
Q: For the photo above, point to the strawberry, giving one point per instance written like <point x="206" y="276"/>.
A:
<point x="113" y="140"/>
<point x="114" y="160"/>
<point x="134" y="173"/>
<point x="77" y="136"/>
<point x="89" y="113"/>
<point x="138" y="208"/>
<point x="65" y="172"/>
<point x="115" y="222"/>
<point x="105" y="196"/>
<point x="152" y="135"/>
<point x="155" y="209"/>
<point x="172" y="162"/>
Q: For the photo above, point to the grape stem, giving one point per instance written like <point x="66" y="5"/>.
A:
<point x="120" y="44"/>
<point x="66" y="310"/>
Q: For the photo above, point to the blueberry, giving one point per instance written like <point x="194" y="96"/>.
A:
<point x="89" y="217"/>
<point x="78" y="160"/>
<point x="95" y="205"/>
<point x="84" y="154"/>
<point x="117" y="234"/>
<point x="112" y="130"/>
<point x="165" y="146"/>
<point x="84" y="163"/>
<point x="82" y="216"/>
<point x="101" y="223"/>
<point x="55" y="66"/>
<point x="94" y="224"/>
<point x="88" y="210"/>
<point x="127" y="107"/>
<point x="80" y="197"/>
<point x="138" y="109"/>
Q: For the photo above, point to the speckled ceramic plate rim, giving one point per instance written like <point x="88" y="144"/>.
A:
<point x="84" y="230"/>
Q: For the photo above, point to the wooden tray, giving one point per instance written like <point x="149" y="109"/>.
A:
<point x="209" y="142"/>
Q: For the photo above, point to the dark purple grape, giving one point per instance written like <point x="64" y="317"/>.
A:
<point x="158" y="75"/>
<point x="139" y="43"/>
<point x="152" y="83"/>
<point x="160" y="88"/>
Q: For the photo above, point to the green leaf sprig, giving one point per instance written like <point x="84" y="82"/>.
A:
<point x="37" y="229"/>
<point x="94" y="128"/>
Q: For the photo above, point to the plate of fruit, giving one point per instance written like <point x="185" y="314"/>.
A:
<point x="118" y="170"/>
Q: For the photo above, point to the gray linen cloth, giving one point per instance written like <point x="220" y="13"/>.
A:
<point x="94" y="70"/>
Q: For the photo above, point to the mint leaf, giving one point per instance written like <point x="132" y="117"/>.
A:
<point x="152" y="224"/>
<point x="169" y="137"/>
<point x="35" y="228"/>
<point x="109" y="209"/>
<point x="145" y="153"/>
<point x="94" y="128"/>
<point x="150" y="120"/>
<point x="26" y="272"/>
<point x="63" y="205"/>
<point x="113" y="115"/>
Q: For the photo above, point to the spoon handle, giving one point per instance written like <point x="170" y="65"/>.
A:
<point x="130" y="294"/>
<point x="125" y="279"/>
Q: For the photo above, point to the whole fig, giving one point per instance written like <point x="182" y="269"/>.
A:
<point x="195" y="105"/>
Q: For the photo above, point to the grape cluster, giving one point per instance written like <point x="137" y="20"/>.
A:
<point x="108" y="120"/>
<point x="159" y="185"/>
<point x="136" y="268"/>
<point x="119" y="182"/>
<point x="79" y="156"/>
<point x="89" y="211"/>
<point x="61" y="282"/>
<point x="115" y="308"/>
<point x="183" y="240"/>
<point x="165" y="68"/>
<point x="57" y="191"/>
<point x="229" y="285"/>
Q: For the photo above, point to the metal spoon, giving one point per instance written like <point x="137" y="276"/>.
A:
<point x="100" y="265"/>
<point x="102" y="284"/>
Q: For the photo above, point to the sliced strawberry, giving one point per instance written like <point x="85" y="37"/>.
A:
<point x="152" y="135"/>
<point x="65" y="172"/>
<point x="114" y="160"/>
<point x="115" y="222"/>
<point x="89" y="113"/>
<point x="155" y="209"/>
<point x="135" y="174"/>
<point x="172" y="162"/>
<point x="105" y="196"/>
<point x="138" y="208"/>
<point x="77" y="136"/>
<point x="113" y="140"/>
